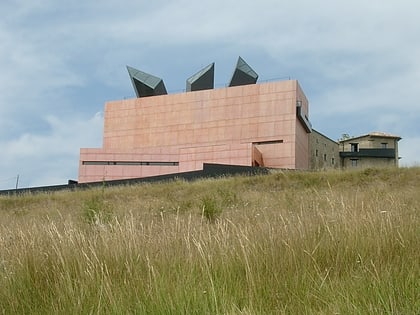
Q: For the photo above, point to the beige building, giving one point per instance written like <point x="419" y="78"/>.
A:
<point x="373" y="149"/>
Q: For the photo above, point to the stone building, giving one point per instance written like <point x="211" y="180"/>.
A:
<point x="323" y="152"/>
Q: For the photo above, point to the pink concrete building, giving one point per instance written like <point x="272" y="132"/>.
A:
<point x="253" y="125"/>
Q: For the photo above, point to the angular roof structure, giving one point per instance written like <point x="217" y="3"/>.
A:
<point x="146" y="84"/>
<point x="202" y="80"/>
<point x="243" y="74"/>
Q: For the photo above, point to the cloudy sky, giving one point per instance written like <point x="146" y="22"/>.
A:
<point x="60" y="61"/>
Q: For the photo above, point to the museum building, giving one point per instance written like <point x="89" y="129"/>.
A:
<point x="246" y="123"/>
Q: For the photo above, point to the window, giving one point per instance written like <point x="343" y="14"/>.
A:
<point x="316" y="152"/>
<point x="130" y="163"/>
<point x="325" y="158"/>
<point x="384" y="145"/>
<point x="354" y="162"/>
<point x="332" y="161"/>
<point x="268" y="142"/>
<point x="354" y="147"/>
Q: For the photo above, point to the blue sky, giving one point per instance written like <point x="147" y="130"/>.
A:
<point x="357" y="61"/>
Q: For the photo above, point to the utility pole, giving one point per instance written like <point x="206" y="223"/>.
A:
<point x="17" y="181"/>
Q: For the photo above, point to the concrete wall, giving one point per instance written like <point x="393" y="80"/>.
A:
<point x="214" y="126"/>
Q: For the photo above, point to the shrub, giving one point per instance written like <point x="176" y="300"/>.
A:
<point x="96" y="210"/>
<point x="210" y="208"/>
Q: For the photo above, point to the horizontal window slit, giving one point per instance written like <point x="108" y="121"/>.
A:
<point x="131" y="163"/>
<point x="268" y="142"/>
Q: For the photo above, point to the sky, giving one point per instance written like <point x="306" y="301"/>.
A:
<point x="357" y="62"/>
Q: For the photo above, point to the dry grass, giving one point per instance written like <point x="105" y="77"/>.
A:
<point x="285" y="243"/>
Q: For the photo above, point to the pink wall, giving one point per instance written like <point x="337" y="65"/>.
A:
<point x="302" y="139"/>
<point x="214" y="126"/>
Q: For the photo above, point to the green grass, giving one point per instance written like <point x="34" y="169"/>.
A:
<point x="285" y="243"/>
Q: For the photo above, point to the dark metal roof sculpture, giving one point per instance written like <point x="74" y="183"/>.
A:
<point x="202" y="80"/>
<point x="146" y="84"/>
<point x="243" y="74"/>
<point x="303" y="118"/>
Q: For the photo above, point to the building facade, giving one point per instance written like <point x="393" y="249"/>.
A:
<point x="323" y="152"/>
<point x="245" y="124"/>
<point x="375" y="149"/>
<point x="253" y="125"/>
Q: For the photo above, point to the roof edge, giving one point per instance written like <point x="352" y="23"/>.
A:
<point x="375" y="134"/>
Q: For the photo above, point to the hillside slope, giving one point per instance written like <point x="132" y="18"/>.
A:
<point x="285" y="243"/>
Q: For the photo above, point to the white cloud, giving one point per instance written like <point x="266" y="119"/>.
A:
<point x="357" y="62"/>
<point x="409" y="151"/>
<point x="50" y="158"/>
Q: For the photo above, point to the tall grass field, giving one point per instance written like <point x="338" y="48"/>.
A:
<point x="334" y="242"/>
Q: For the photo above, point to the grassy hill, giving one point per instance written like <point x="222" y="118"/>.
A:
<point x="285" y="243"/>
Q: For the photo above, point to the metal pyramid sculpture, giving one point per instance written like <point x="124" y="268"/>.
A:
<point x="146" y="84"/>
<point x="202" y="80"/>
<point x="243" y="74"/>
